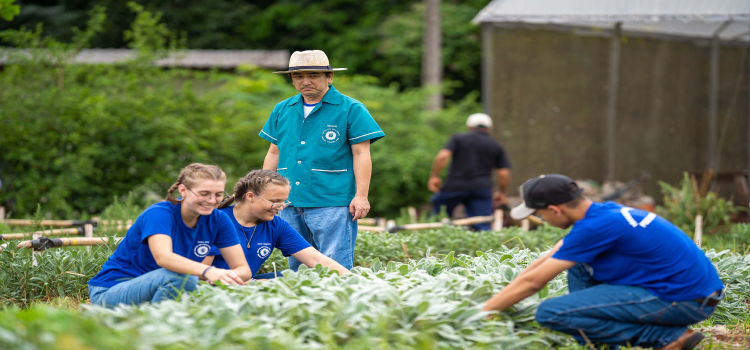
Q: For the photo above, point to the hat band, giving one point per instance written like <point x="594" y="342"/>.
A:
<point x="310" y="67"/>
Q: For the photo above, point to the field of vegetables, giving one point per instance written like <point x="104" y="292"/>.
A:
<point x="419" y="290"/>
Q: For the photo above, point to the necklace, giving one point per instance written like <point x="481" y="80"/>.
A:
<point x="251" y="235"/>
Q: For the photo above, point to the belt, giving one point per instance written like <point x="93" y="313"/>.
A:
<point x="711" y="301"/>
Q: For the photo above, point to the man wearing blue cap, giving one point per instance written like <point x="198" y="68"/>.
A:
<point x="633" y="278"/>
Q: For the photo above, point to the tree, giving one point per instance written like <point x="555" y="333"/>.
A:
<point x="432" y="58"/>
<point x="8" y="10"/>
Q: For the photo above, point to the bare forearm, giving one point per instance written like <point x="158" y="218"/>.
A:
<point x="333" y="265"/>
<point x="503" y="180"/>
<point x="179" y="264"/>
<point x="438" y="165"/>
<point x="271" y="162"/>
<point x="244" y="272"/>
<point x="536" y="263"/>
<point x="516" y="291"/>
<point x="362" y="172"/>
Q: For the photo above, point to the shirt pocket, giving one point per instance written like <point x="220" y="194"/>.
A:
<point x="331" y="180"/>
<point x="282" y="170"/>
<point x="330" y="137"/>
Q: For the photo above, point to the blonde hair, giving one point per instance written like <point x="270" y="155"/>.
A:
<point x="256" y="182"/>
<point x="191" y="174"/>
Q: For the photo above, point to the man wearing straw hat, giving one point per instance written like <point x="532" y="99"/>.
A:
<point x="320" y="140"/>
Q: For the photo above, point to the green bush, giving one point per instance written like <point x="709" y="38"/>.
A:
<point x="74" y="136"/>
<point x="683" y="203"/>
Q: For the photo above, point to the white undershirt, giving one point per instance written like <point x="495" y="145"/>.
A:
<point x="308" y="108"/>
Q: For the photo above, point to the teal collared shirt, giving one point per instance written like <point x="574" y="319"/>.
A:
<point x="315" y="153"/>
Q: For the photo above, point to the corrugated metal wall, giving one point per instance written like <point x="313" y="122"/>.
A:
<point x="548" y="99"/>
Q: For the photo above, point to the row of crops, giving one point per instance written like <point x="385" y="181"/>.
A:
<point x="432" y="300"/>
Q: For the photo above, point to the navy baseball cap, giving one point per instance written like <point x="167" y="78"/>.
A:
<point x="543" y="191"/>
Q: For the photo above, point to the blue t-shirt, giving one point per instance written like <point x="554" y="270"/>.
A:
<point x="626" y="246"/>
<point x="276" y="233"/>
<point x="133" y="258"/>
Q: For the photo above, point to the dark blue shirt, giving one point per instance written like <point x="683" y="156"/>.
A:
<point x="276" y="233"/>
<point x="632" y="247"/>
<point x="133" y="258"/>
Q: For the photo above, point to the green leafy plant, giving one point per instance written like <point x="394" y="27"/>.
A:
<point x="682" y="204"/>
<point x="431" y="303"/>
<point x="8" y="10"/>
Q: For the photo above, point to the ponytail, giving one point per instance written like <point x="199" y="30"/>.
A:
<point x="256" y="182"/>
<point x="193" y="172"/>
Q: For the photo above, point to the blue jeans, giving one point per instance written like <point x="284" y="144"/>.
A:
<point x="477" y="202"/>
<point x="267" y="276"/>
<point x="154" y="287"/>
<point x="330" y="230"/>
<point x="617" y="315"/>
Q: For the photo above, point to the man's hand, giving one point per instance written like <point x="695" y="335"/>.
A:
<point x="434" y="184"/>
<point x="359" y="207"/>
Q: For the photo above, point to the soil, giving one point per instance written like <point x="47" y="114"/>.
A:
<point x="726" y="337"/>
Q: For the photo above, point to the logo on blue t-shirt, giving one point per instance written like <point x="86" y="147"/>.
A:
<point x="264" y="252"/>
<point x="202" y="249"/>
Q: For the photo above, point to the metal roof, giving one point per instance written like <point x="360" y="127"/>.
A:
<point x="687" y="18"/>
<point x="224" y="59"/>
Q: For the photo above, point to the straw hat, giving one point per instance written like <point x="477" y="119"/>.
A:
<point x="309" y="61"/>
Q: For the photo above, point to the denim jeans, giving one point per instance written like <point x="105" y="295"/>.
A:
<point x="330" y="230"/>
<point x="268" y="276"/>
<point x="154" y="287"/>
<point x="477" y="202"/>
<point x="618" y="315"/>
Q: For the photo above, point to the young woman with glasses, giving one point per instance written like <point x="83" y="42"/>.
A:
<point x="161" y="254"/>
<point x="260" y="195"/>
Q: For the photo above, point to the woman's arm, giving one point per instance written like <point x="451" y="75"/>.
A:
<point x="235" y="258"/>
<point x="311" y="257"/>
<point x="161" y="248"/>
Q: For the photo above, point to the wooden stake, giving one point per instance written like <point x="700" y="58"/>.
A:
<point x="371" y="228"/>
<point x="88" y="232"/>
<point x="473" y="220"/>
<point x="698" y="237"/>
<point x="534" y="220"/>
<point x="497" y="224"/>
<point x="525" y="225"/>
<point x="367" y="221"/>
<point x="2" y="213"/>
<point x="406" y="250"/>
<point x="412" y="215"/>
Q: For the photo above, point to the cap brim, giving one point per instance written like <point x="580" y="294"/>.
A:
<point x="521" y="212"/>
<point x="309" y="70"/>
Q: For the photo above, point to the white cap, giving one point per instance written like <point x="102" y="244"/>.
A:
<point x="479" y="120"/>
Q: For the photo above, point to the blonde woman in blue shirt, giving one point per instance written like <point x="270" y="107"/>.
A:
<point x="260" y="195"/>
<point x="161" y="254"/>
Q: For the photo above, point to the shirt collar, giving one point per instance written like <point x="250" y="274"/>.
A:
<point x="333" y="97"/>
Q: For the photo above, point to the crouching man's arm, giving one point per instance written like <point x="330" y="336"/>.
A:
<point x="528" y="282"/>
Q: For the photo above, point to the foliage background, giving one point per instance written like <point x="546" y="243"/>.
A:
<point x="377" y="38"/>
<point x="74" y="136"/>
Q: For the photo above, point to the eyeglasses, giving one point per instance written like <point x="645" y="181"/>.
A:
<point x="205" y="197"/>
<point x="279" y="206"/>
